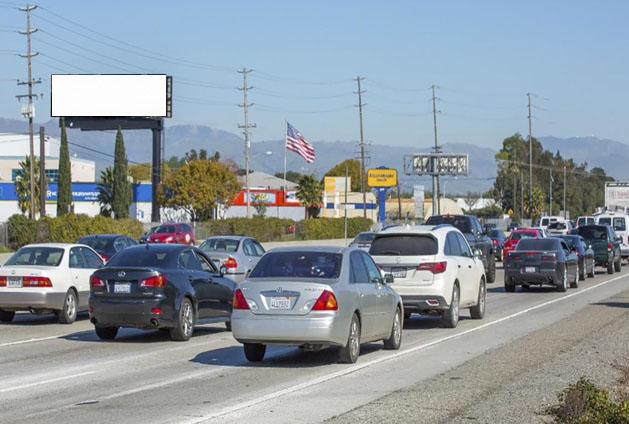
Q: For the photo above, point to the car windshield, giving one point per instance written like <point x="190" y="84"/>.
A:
<point x="557" y="226"/>
<point x="165" y="229"/>
<point x="495" y="233"/>
<point x="219" y="245"/>
<point x="404" y="245"/>
<point x="43" y="256"/>
<point x="97" y="243"/>
<point x="538" y="244"/>
<point x="461" y="223"/>
<point x="298" y="265"/>
<point x="142" y="257"/>
<point x="365" y="237"/>
<point x="523" y="234"/>
<point x="592" y="233"/>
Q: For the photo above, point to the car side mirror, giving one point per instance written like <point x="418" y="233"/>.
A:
<point x="478" y="253"/>
<point x="388" y="278"/>
<point x="223" y="270"/>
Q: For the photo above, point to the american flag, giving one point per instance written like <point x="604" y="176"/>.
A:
<point x="295" y="142"/>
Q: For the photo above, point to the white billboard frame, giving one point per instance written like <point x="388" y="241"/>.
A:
<point x="110" y="95"/>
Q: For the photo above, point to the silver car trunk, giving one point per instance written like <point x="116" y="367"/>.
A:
<point x="277" y="296"/>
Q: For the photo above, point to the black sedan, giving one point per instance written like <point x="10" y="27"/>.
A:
<point x="168" y="286"/>
<point x="585" y="253"/>
<point x="107" y="245"/>
<point x="498" y="239"/>
<point x="542" y="261"/>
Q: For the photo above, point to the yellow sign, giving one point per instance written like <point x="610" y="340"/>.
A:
<point x="510" y="211"/>
<point x="382" y="177"/>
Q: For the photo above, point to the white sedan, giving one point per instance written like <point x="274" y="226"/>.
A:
<point x="47" y="278"/>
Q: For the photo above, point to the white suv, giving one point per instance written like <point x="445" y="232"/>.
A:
<point x="434" y="270"/>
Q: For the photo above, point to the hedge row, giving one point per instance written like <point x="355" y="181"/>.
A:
<point x="66" y="229"/>
<point x="262" y="229"/>
<point x="331" y="228"/>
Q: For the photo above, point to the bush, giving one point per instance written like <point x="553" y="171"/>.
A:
<point x="66" y="229"/>
<point x="331" y="228"/>
<point x="262" y="229"/>
<point x="584" y="403"/>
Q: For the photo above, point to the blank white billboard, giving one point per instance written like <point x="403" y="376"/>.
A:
<point x="108" y="95"/>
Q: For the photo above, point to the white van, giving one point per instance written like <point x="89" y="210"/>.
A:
<point x="619" y="221"/>
<point x="585" y="220"/>
<point x="547" y="220"/>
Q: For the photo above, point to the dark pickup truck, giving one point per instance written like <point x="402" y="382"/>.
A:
<point x="606" y="245"/>
<point x="476" y="237"/>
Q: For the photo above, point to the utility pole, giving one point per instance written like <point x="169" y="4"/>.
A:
<point x="550" y="203"/>
<point x="30" y="112"/>
<point x="345" y="209"/>
<point x="530" y="161"/>
<point x="246" y="127"/>
<point x="362" y="145"/>
<point x="522" y="194"/>
<point x="42" y="171"/>
<point x="436" y="202"/>
<point x="515" y="193"/>
<point x="564" y="192"/>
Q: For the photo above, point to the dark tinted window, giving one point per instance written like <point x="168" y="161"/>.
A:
<point x="44" y="256"/>
<point x="453" y="242"/>
<point x="91" y="259"/>
<point x="358" y="270"/>
<point x="557" y="226"/>
<point x="97" y="243"/>
<point x="592" y="232"/>
<point x="188" y="260"/>
<point x="259" y="248"/>
<point x="206" y="265"/>
<point x="538" y="244"/>
<point x="142" y="257"/>
<point x="165" y="229"/>
<point x="465" y="248"/>
<point x="365" y="237"/>
<point x="372" y="268"/>
<point x="403" y="245"/>
<point x="522" y="235"/>
<point x="185" y="228"/>
<point x="496" y="234"/>
<point x="248" y="248"/>
<point x="298" y="265"/>
<point x="218" y="244"/>
<point x="461" y="223"/>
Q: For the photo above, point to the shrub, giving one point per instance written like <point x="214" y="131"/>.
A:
<point x="331" y="228"/>
<point x="584" y="403"/>
<point x="260" y="228"/>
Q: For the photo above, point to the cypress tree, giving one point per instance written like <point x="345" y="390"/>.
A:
<point x="64" y="183"/>
<point x="122" y="195"/>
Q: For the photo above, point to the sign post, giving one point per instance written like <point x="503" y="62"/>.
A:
<point x="382" y="178"/>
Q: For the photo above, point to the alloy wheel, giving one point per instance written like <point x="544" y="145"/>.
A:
<point x="353" y="339"/>
<point x="70" y="304"/>
<point x="187" y="318"/>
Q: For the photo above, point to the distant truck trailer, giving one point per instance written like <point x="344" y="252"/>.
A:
<point x="617" y="194"/>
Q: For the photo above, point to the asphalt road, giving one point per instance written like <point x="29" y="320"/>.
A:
<point x="52" y="373"/>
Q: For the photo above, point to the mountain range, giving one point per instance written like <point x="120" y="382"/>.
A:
<point x="268" y="156"/>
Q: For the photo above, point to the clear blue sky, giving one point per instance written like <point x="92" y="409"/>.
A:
<point x="484" y="55"/>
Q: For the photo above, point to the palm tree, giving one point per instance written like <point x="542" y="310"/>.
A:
<point x="105" y="192"/>
<point x="310" y="193"/>
<point x="22" y="185"/>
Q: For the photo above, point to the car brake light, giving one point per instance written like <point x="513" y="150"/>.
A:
<point x="609" y="246"/>
<point x="96" y="282"/>
<point x="104" y="257"/>
<point x="3" y="281"/>
<point x="326" y="302"/>
<point x="530" y="253"/>
<point x="155" y="281"/>
<point x="36" y="282"/>
<point x="231" y="263"/>
<point x="434" y="267"/>
<point x="239" y="301"/>
<point x="156" y="311"/>
<point x="495" y="242"/>
<point x="549" y="257"/>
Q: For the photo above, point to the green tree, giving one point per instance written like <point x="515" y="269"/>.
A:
<point x="353" y="171"/>
<point x="259" y="204"/>
<point x="198" y="187"/>
<point x="22" y="185"/>
<point x="142" y="171"/>
<point x="105" y="192"/>
<point x="64" y="183"/>
<point x="310" y="194"/>
<point x="122" y="195"/>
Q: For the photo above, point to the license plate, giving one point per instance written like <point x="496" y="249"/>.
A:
<point x="399" y="272"/>
<point x="14" y="282"/>
<point x="122" y="288"/>
<point x="280" y="303"/>
<point x="529" y="269"/>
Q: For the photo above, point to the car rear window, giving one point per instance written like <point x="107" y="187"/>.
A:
<point x="592" y="233"/>
<point x="461" y="223"/>
<point x="404" y="245"/>
<point x="165" y="229"/>
<point x="298" y="265"/>
<point x="97" y="243"/>
<point x="557" y="226"/>
<point x="538" y="244"/>
<point x="364" y="237"/>
<point x="619" y="224"/>
<point x="43" y="256"/>
<point x="142" y="258"/>
<point x="522" y="235"/>
<point x="495" y="233"/>
<point x="219" y="245"/>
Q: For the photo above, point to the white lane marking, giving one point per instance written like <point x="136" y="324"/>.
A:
<point x="41" y="339"/>
<point x="39" y="383"/>
<point x="355" y="368"/>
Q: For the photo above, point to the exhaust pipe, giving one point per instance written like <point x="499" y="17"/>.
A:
<point x="154" y="322"/>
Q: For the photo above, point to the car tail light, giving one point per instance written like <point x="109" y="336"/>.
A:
<point x="494" y="242"/>
<point x="549" y="257"/>
<point x="239" y="301"/>
<point x="530" y="253"/>
<point x="514" y="256"/>
<point x="231" y="263"/>
<point x="434" y="267"/>
<point x="609" y="246"/>
<point x="36" y="282"/>
<point x="104" y="257"/>
<point x="326" y="302"/>
<point x="156" y="311"/>
<point x="3" y="281"/>
<point x="96" y="281"/>
<point x="155" y="281"/>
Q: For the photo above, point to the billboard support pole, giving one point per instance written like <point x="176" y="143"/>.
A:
<point x="42" y="171"/>
<point x="156" y="174"/>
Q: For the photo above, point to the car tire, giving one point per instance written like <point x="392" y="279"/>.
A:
<point x="450" y="317"/>
<point x="509" y="287"/>
<point x="185" y="322"/>
<point x="491" y="269"/>
<point x="610" y="267"/>
<point x="228" y="325"/>
<point x="67" y="315"/>
<point x="478" y="311"/>
<point x="351" y="351"/>
<point x="591" y="273"/>
<point x="525" y="287"/>
<point x="618" y="264"/>
<point x="577" y="275"/>
<point x="6" y="316"/>
<point x="395" y="339"/>
<point x="106" y="333"/>
<point x="407" y="315"/>
<point x="254" y="352"/>
<point x="582" y="272"/>
<point x="563" y="286"/>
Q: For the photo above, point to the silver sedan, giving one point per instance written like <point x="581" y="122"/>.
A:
<point x="315" y="297"/>
<point x="237" y="254"/>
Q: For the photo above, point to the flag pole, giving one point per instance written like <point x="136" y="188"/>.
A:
<point x="285" y="132"/>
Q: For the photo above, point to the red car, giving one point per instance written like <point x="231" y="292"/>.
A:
<point x="173" y="233"/>
<point x="516" y="236"/>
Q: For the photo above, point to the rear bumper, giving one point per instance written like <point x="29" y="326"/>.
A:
<point x="540" y="277"/>
<point x="602" y="260"/>
<point x="26" y="298"/>
<point x="133" y="313"/>
<point x="326" y="328"/>
<point x="423" y="303"/>
<point x="415" y="298"/>
<point x="624" y="251"/>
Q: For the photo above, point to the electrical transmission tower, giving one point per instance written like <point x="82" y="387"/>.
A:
<point x="362" y="145"/>
<point x="30" y="109"/>
<point x="246" y="128"/>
